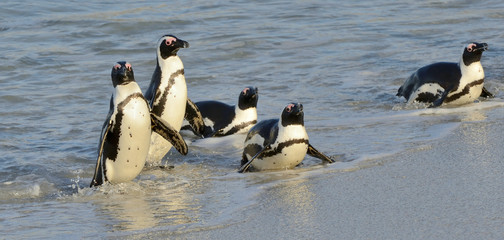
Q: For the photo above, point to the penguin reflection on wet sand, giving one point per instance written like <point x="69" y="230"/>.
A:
<point x="167" y="94"/>
<point x="448" y="82"/>
<point x="126" y="133"/>
<point x="222" y="119"/>
<point x="279" y="143"/>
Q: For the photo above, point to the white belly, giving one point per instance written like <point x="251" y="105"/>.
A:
<point x="289" y="158"/>
<point x="473" y="95"/>
<point x="134" y="143"/>
<point x="173" y="113"/>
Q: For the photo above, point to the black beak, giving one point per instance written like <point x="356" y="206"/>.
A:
<point x="481" y="46"/>
<point x="122" y="71"/>
<point x="297" y="108"/>
<point x="181" y="43"/>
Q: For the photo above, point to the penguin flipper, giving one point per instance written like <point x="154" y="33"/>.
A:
<point x="486" y="94"/>
<point x="246" y="165"/>
<point x="150" y="94"/>
<point x="166" y="131"/>
<point x="193" y="116"/>
<point x="315" y="153"/>
<point x="441" y="99"/>
<point x="98" y="178"/>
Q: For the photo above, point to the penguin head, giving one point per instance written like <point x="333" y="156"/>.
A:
<point x="169" y="45"/>
<point x="473" y="51"/>
<point x="248" y="98"/>
<point x="293" y="114"/>
<point x="122" y="73"/>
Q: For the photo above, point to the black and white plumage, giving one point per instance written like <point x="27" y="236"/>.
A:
<point x="125" y="137"/>
<point x="222" y="119"/>
<point x="167" y="94"/>
<point x="449" y="82"/>
<point x="279" y="143"/>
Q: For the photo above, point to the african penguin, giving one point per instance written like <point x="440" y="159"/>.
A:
<point x="167" y="94"/>
<point x="222" y="119"/>
<point x="448" y="82"/>
<point x="126" y="133"/>
<point x="279" y="143"/>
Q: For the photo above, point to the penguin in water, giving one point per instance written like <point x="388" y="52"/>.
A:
<point x="279" y="143"/>
<point x="448" y="82"/>
<point x="167" y="94"/>
<point x="221" y="119"/>
<point x="126" y="133"/>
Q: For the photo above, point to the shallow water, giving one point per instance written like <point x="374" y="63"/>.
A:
<point x="343" y="60"/>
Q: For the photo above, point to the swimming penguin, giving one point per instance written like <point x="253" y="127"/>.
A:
<point x="222" y="119"/>
<point x="167" y="94"/>
<point x="279" y="143"/>
<point x="449" y="82"/>
<point x="126" y="133"/>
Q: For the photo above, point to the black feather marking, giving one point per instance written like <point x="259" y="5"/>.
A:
<point x="427" y="97"/>
<point x="233" y="130"/>
<point x="278" y="149"/>
<point x="464" y="91"/>
<point x="162" y="98"/>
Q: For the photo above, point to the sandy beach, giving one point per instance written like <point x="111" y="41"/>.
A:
<point x="449" y="189"/>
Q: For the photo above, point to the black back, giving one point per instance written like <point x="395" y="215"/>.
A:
<point x="446" y="74"/>
<point x="153" y="86"/>
<point x="220" y="113"/>
<point x="267" y="129"/>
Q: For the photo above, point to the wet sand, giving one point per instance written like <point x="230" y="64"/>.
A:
<point x="449" y="189"/>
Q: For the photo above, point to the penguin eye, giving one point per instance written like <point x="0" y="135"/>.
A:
<point x="289" y="107"/>
<point x="470" y="47"/>
<point x="117" y="66"/>
<point x="128" y="66"/>
<point x="170" y="41"/>
<point x="244" y="92"/>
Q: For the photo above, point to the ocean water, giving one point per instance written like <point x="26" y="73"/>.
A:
<point x="343" y="60"/>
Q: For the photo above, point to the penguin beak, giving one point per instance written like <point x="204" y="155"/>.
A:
<point x="181" y="43"/>
<point x="481" y="47"/>
<point x="121" y="71"/>
<point x="299" y="108"/>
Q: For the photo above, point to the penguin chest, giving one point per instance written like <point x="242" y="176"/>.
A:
<point x="282" y="158"/>
<point x="287" y="152"/>
<point x="174" y="99"/>
<point x="242" y="122"/>
<point x="468" y="93"/>
<point x="132" y="130"/>
<point x="470" y="86"/>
